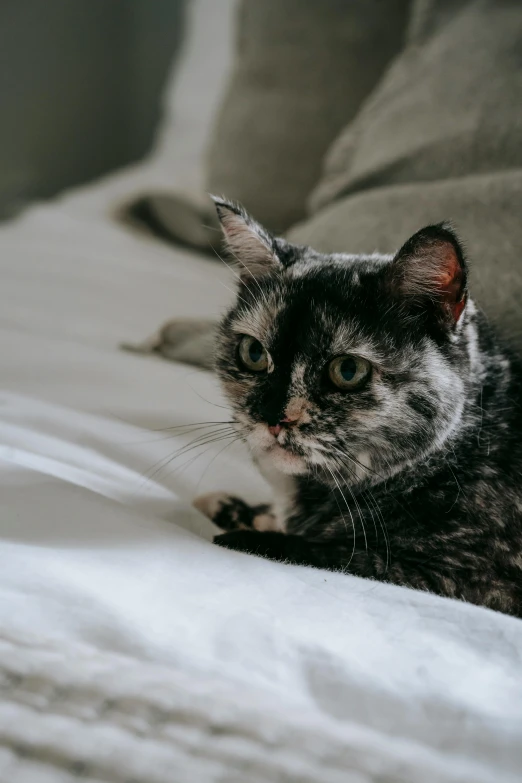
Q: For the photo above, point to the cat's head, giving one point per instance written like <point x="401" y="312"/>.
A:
<point x="343" y="364"/>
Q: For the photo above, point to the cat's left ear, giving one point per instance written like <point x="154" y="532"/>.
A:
<point x="430" y="268"/>
<point x="250" y="245"/>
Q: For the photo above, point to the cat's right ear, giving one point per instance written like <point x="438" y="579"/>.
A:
<point x="430" y="268"/>
<point x="251" y="247"/>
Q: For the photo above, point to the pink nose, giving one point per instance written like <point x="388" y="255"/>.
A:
<point x="276" y="429"/>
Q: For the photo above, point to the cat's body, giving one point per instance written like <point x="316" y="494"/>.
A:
<point x="383" y="412"/>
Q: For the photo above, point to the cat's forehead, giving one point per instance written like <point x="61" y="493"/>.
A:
<point x="321" y="309"/>
<point x="308" y="263"/>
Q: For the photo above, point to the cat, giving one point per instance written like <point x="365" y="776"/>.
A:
<point x="379" y="405"/>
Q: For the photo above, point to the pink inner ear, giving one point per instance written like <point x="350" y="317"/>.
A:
<point x="458" y="307"/>
<point x="449" y="279"/>
<point x="253" y="257"/>
<point x="430" y="266"/>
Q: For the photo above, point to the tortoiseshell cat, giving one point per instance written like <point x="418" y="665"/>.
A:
<point x="379" y="405"/>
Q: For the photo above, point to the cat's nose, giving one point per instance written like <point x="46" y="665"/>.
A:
<point x="275" y="429"/>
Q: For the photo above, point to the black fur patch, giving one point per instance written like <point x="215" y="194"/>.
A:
<point x="414" y="477"/>
<point x="422" y="405"/>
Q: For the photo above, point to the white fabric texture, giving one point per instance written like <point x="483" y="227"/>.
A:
<point x="131" y="648"/>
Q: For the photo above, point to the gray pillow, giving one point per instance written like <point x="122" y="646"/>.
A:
<point x="484" y="208"/>
<point x="449" y="105"/>
<point x="302" y="69"/>
<point x="439" y="138"/>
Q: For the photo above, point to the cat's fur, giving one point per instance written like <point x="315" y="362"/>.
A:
<point x="414" y="479"/>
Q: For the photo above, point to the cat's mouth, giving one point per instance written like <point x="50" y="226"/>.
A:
<point x="281" y="441"/>
<point x="286" y="460"/>
<point x="282" y="447"/>
<point x="279" y="450"/>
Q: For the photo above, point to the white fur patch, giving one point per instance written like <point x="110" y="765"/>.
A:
<point x="266" y="448"/>
<point x="363" y="466"/>
<point x="211" y="503"/>
<point x="265" y="523"/>
<point x="283" y="488"/>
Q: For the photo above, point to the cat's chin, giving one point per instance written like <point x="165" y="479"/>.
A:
<point x="285" y="461"/>
<point x="271" y="452"/>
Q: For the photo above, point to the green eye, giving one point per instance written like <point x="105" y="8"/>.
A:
<point x="348" y="372"/>
<point x="252" y="354"/>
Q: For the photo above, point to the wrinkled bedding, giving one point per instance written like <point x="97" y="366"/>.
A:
<point x="129" y="644"/>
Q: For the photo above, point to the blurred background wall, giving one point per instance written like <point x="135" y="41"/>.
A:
<point x="73" y="73"/>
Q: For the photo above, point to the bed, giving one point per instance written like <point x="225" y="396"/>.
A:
<point x="133" y="649"/>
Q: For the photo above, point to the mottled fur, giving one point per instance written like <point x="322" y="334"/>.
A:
<point x="413" y="479"/>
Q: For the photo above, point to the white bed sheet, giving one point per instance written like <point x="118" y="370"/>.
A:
<point x="100" y="547"/>
<point x="323" y="677"/>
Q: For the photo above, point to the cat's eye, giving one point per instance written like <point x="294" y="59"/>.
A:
<point x="252" y="354"/>
<point x="349" y="372"/>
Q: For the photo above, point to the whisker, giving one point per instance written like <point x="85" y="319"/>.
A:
<point x="200" y="440"/>
<point x="358" y="510"/>
<point x="229" y="266"/>
<point x="481" y="417"/>
<point x="375" y="506"/>
<point x="456" y="482"/>
<point x="220" y="452"/>
<point x="209" y="442"/>
<point x="194" y="424"/>
<point x="342" y="516"/>
<point x="349" y="511"/>
<point x="360" y="514"/>
<point x="359" y="464"/>
<point x="373" y="518"/>
<point x="225" y="407"/>
<point x="252" y="276"/>
<point x="234" y="273"/>
<point x="383" y="527"/>
<point x="179" y="470"/>
<point x="233" y="292"/>
<point x="174" y="434"/>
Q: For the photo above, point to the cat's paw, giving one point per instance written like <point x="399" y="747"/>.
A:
<point x="211" y="503"/>
<point x="270" y="545"/>
<point x="225" y="511"/>
<point x="274" y="546"/>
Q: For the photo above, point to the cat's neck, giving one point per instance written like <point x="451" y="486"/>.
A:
<point x="284" y="489"/>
